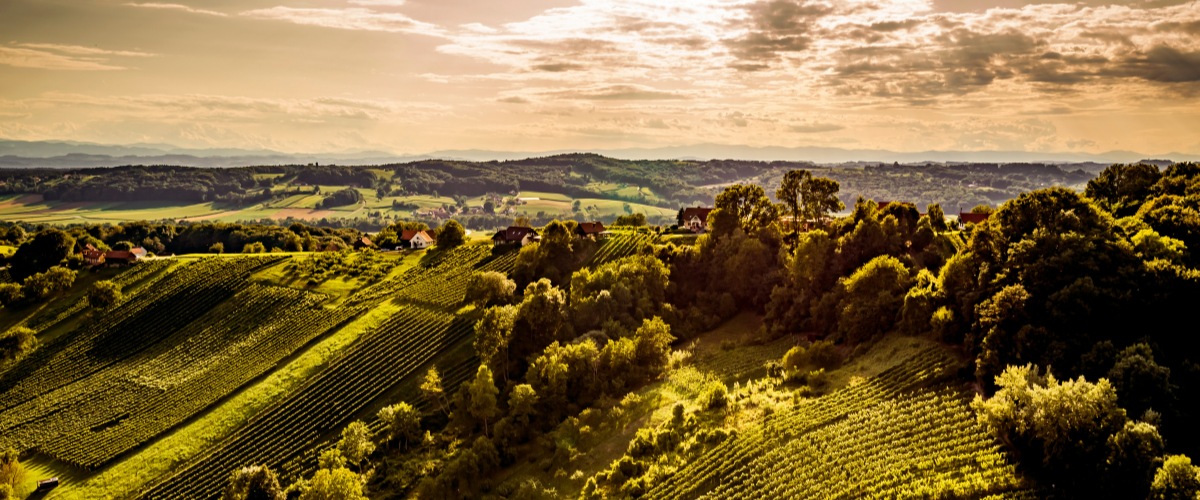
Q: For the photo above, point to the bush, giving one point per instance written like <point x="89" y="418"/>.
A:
<point x="103" y="294"/>
<point x="1178" y="479"/>
<point x="217" y="248"/>
<point x="16" y="343"/>
<point x="714" y="395"/>
<point x="256" y="247"/>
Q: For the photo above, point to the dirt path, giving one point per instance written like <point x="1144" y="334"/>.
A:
<point x="210" y="216"/>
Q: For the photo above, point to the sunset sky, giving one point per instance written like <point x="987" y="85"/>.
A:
<point x="413" y="76"/>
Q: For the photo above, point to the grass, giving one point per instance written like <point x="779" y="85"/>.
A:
<point x="171" y="451"/>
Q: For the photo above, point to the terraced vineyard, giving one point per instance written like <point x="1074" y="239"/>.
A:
<point x="884" y="438"/>
<point x="131" y="326"/>
<point x="50" y="318"/>
<point x="620" y="244"/>
<point x="96" y="417"/>
<point x="282" y="435"/>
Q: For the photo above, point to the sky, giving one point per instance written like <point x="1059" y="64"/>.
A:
<point x="415" y="76"/>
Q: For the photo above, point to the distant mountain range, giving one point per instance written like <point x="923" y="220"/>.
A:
<point x="69" y="154"/>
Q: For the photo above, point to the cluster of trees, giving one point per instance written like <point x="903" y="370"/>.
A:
<point x="342" y="197"/>
<point x="330" y="175"/>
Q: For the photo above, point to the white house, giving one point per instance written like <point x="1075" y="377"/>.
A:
<point x="416" y="239"/>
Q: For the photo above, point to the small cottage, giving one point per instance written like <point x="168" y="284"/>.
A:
<point x="416" y="240"/>
<point x="696" y="218"/>
<point x="515" y="235"/>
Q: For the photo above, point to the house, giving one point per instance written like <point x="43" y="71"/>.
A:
<point x="696" y="218"/>
<point x="969" y="218"/>
<point x="138" y="252"/>
<point x="593" y="229"/>
<point x="412" y="238"/>
<point x="118" y="258"/>
<point x="362" y="243"/>
<point x="515" y="234"/>
<point x="92" y="256"/>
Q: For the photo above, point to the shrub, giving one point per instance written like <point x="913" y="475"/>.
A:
<point x="714" y="395"/>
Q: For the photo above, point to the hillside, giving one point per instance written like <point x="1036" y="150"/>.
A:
<point x="1032" y="353"/>
<point x="480" y="195"/>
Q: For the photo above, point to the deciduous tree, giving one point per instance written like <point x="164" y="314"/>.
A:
<point x="104" y="294"/>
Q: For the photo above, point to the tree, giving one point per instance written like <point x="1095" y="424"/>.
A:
<point x="217" y="248"/>
<point x="789" y="193"/>
<point x="123" y="246"/>
<point x="874" y="294"/>
<point x="402" y="422"/>
<point x="253" y="483"/>
<point x="334" y="484"/>
<point x="45" y="250"/>
<point x="937" y="219"/>
<point x="356" y="443"/>
<point x="1178" y="479"/>
<point x="1139" y="381"/>
<point x="451" y="234"/>
<point x="521" y="403"/>
<point x="431" y="388"/>
<point x="1122" y="189"/>
<point x="490" y="287"/>
<point x="256" y="247"/>
<point x="521" y="222"/>
<point x="6" y="492"/>
<point x="482" y="392"/>
<point x="493" y="332"/>
<point x="11" y="293"/>
<point x="17" y="342"/>
<point x="11" y="471"/>
<point x="104" y="294"/>
<point x="820" y="198"/>
<point x="575" y="206"/>
<point x="1064" y="427"/>
<point x="982" y="209"/>
<point x="1133" y="455"/>
<point x="653" y="345"/>
<point x="749" y="204"/>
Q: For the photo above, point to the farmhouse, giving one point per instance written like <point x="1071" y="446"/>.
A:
<point x="969" y="218"/>
<point x="696" y="218"/>
<point x="412" y="238"/>
<point x="592" y="229"/>
<point x="118" y="258"/>
<point x="515" y="234"/>
<point x="92" y="256"/>
<point x="362" y="243"/>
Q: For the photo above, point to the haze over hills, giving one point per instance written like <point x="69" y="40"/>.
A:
<point x="69" y="154"/>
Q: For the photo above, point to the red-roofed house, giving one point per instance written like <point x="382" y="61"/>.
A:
<point x="92" y="256"/>
<point x="118" y="258"/>
<point x="696" y="218"/>
<point x="593" y="229"/>
<point x="969" y="218"/>
<point x="138" y="252"/>
<point x="519" y="235"/>
<point x="412" y="238"/>
<point x="363" y="242"/>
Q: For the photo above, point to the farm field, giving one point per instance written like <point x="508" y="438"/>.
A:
<point x="18" y="208"/>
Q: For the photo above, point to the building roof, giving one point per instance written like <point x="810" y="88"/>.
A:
<point x="409" y="234"/>
<point x="514" y="233"/>
<point x="119" y="254"/>
<point x="364" y="241"/>
<point x="700" y="212"/>
<point x="972" y="218"/>
<point x="138" y="251"/>
<point x="590" y="227"/>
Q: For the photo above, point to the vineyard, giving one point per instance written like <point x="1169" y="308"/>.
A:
<point x="285" y="435"/>
<point x="884" y="438"/>
<point x="620" y="244"/>
<point x="96" y="417"/>
<point x="48" y="319"/>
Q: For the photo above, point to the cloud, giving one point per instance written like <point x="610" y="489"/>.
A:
<point x="41" y="59"/>
<point x="614" y="92"/>
<point x="815" y="128"/>
<point x="514" y="100"/>
<point x="87" y="51"/>
<point x="478" y="28"/>
<point x="347" y="19"/>
<point x="175" y="6"/>
<point x="387" y="3"/>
